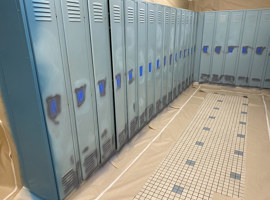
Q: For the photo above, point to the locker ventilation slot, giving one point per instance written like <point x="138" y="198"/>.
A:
<point x="142" y="16"/>
<point x="69" y="181"/>
<point x="173" y="18"/>
<point x="116" y="14"/>
<point x="151" y="16"/>
<point x="74" y="11"/>
<point x="183" y="18"/>
<point x="130" y="15"/>
<point x="98" y="12"/>
<point x="42" y="10"/>
<point x="107" y="147"/>
<point x="90" y="162"/>
<point x="167" y="17"/>
<point x="159" y="17"/>
<point x="178" y="19"/>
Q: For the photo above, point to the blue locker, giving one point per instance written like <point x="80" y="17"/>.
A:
<point x="246" y="48"/>
<point x="142" y="61"/>
<point x="151" y="46"/>
<point x="99" y="25"/>
<point x="186" y="47"/>
<point x="181" y="52"/>
<point x="233" y="49"/>
<point x="119" y="70"/>
<point x="171" y="41"/>
<point x="220" y="47"/>
<point x="165" y="60"/>
<point x="176" y="71"/>
<point x="159" y="56"/>
<point x="260" y="50"/>
<point x="208" y="26"/>
<point x="131" y="66"/>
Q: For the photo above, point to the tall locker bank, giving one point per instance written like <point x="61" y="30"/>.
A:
<point x="99" y="24"/>
<point x="119" y="70"/>
<point x="151" y="46"/>
<point x="142" y="61"/>
<point x="54" y="107"/>
<point x="171" y="41"/>
<point x="131" y="66"/>
<point x="166" y="43"/>
<point x="159" y="56"/>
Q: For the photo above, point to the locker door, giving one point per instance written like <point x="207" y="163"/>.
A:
<point x="166" y="55"/>
<point x="176" y="51"/>
<point x="259" y="61"/>
<point x="159" y="56"/>
<point x="194" y="34"/>
<point x="181" y="53"/>
<point x="151" y="40"/>
<point x="131" y="63"/>
<point x="190" y="47"/>
<point x="119" y="70"/>
<point x="220" y="47"/>
<point x="207" y="46"/>
<point x="142" y="57"/>
<point x="77" y="39"/>
<point x="44" y="32"/>
<point x="246" y="49"/>
<point x="98" y="12"/>
<point x="266" y="83"/>
<point x="186" y="46"/>
<point x="171" y="41"/>
<point x="233" y="49"/>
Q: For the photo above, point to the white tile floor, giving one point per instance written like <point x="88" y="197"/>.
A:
<point x="208" y="157"/>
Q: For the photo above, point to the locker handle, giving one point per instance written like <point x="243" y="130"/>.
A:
<point x="150" y="67"/>
<point x="205" y="49"/>
<point x="157" y="63"/>
<point x="80" y="93"/>
<point x="180" y="54"/>
<point x="191" y="51"/>
<point x="231" y="48"/>
<point x="118" y="80"/>
<point x="141" y="70"/>
<point x="218" y="49"/>
<point x="185" y="53"/>
<point x="171" y="59"/>
<point x="102" y="87"/>
<point x="259" y="50"/>
<point x="53" y="107"/>
<point x="164" y="60"/>
<point x="175" y="57"/>
<point x="130" y="76"/>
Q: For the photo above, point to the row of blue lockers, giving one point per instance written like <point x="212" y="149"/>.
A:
<point x="235" y="48"/>
<point x="92" y="74"/>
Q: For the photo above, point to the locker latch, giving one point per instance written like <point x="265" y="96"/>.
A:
<point x="102" y="87"/>
<point x="130" y="76"/>
<point x="157" y="63"/>
<point x="118" y="80"/>
<point x="150" y="67"/>
<point x="80" y="93"/>
<point x="164" y="60"/>
<point x="180" y="54"/>
<point x="231" y="48"/>
<point x="54" y="107"/>
<point x="205" y="49"/>
<point x="259" y="50"/>
<point x="141" y="70"/>
<point x="171" y="59"/>
<point x="175" y="57"/>
<point x="218" y="49"/>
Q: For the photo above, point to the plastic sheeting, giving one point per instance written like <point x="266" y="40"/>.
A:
<point x="8" y="159"/>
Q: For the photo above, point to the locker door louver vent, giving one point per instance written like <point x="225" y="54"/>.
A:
<point x="42" y="10"/>
<point x="116" y="14"/>
<point x="159" y="17"/>
<point x="178" y="19"/>
<point x="142" y="16"/>
<point x="236" y="19"/>
<point x="74" y="11"/>
<point x="187" y="20"/>
<point x="183" y="18"/>
<point x="98" y="12"/>
<point x="151" y="16"/>
<point x="173" y="18"/>
<point x="130" y="15"/>
<point x="167" y="17"/>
